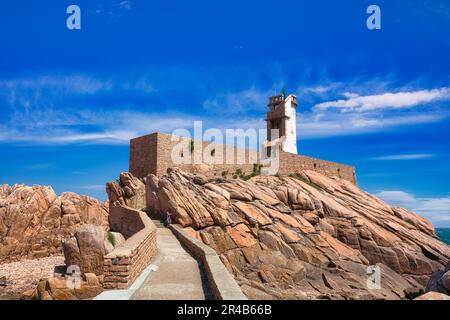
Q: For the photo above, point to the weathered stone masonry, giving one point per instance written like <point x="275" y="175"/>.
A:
<point x="153" y="154"/>
<point x="125" y="263"/>
<point x="291" y="163"/>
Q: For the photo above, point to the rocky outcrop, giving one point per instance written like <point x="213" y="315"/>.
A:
<point x="34" y="220"/>
<point x="127" y="191"/>
<point x="304" y="236"/>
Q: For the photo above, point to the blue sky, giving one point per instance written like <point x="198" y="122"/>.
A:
<point x="377" y="99"/>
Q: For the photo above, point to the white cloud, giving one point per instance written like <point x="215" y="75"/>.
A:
<point x="27" y="93"/>
<point x="359" y="116"/>
<point x="36" y="116"/>
<point x="398" y="198"/>
<point x="398" y="100"/>
<point x="318" y="89"/>
<point x="105" y="127"/>
<point x="47" y="90"/>
<point x="435" y="209"/>
<point x="413" y="156"/>
<point x="326" y="124"/>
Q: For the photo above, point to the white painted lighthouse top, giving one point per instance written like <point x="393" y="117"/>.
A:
<point x="276" y="100"/>
<point x="284" y="108"/>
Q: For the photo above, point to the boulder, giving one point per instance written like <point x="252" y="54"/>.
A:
<point x="57" y="288"/>
<point x="92" y="279"/>
<point x="128" y="191"/>
<point x="413" y="292"/>
<point x="30" y="294"/>
<point x="433" y="296"/>
<point x="200" y="179"/>
<point x="86" y="249"/>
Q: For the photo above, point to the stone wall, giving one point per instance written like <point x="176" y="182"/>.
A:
<point x="143" y="155"/>
<point x="153" y="154"/>
<point x="125" y="220"/>
<point x="292" y="163"/>
<point x="125" y="263"/>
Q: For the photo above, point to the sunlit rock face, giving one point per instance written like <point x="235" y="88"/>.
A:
<point x="302" y="237"/>
<point x="34" y="221"/>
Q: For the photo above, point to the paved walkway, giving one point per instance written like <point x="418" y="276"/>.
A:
<point x="178" y="275"/>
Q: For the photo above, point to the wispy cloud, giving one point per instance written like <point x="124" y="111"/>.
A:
<point x="319" y="89"/>
<point x="396" y="197"/>
<point x="49" y="108"/>
<point x="440" y="8"/>
<point x="39" y="166"/>
<point x="94" y="187"/>
<point x="126" y="4"/>
<point x="435" y="209"/>
<point x="235" y="102"/>
<point x="27" y="93"/>
<point x="388" y="100"/>
<point x="397" y="157"/>
<point x="82" y="126"/>
<point x="358" y="113"/>
<point x="328" y="124"/>
<point x="70" y="84"/>
<point x="111" y="8"/>
<point x="106" y="127"/>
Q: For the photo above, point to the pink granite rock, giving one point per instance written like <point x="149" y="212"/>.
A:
<point x="305" y="236"/>
<point x="33" y="220"/>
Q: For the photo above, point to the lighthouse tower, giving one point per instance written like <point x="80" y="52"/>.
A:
<point x="281" y="116"/>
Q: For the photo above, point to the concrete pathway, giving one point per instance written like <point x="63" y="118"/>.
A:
<point x="177" y="276"/>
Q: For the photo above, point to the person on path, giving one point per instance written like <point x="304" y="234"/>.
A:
<point x="168" y="218"/>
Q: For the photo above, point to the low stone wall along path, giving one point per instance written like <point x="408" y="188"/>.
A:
<point x="178" y="275"/>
